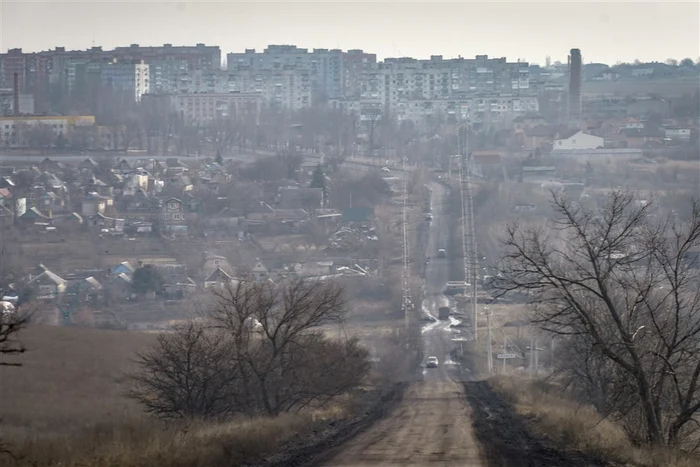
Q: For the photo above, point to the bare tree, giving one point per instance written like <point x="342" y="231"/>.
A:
<point x="40" y="136"/>
<point x="371" y="118"/>
<point x="259" y="350"/>
<point x="223" y="133"/>
<point x="187" y="374"/>
<point x="286" y="358"/>
<point x="621" y="277"/>
<point x="11" y="323"/>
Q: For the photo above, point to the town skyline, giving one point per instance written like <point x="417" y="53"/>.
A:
<point x="337" y="25"/>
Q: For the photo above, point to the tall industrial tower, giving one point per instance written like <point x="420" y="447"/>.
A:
<point x="575" y="83"/>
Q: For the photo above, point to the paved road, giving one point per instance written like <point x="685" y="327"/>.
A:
<point x="432" y="425"/>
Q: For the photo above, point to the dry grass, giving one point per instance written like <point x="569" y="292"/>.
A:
<point x="70" y="378"/>
<point x="580" y="427"/>
<point x="144" y="443"/>
<point x="66" y="406"/>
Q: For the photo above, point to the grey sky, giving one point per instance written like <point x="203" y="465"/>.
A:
<point x="605" y="32"/>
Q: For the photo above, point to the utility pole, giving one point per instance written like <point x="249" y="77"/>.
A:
<point x="468" y="231"/>
<point x="406" y="281"/>
<point x="489" y="350"/>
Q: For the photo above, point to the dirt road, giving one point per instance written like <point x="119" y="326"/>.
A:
<point x="431" y="426"/>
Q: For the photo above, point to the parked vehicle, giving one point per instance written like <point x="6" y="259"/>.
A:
<point x="441" y="253"/>
<point x="456" y="288"/>
<point x="444" y="312"/>
<point x="432" y="362"/>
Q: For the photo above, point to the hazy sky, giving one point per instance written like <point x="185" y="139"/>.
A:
<point x="605" y="32"/>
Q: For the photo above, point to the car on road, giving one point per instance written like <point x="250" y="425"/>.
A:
<point x="444" y="313"/>
<point x="441" y="253"/>
<point x="428" y="217"/>
<point x="432" y="362"/>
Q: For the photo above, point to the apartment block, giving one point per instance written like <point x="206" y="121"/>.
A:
<point x="332" y="73"/>
<point x="131" y="77"/>
<point x="201" y="107"/>
<point x="283" y="88"/>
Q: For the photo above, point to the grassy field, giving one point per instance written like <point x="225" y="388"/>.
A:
<point x="580" y="427"/>
<point x="66" y="406"/>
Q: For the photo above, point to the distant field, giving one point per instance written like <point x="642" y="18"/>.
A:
<point x="70" y="380"/>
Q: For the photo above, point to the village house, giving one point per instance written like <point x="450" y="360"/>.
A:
<point x="89" y="165"/>
<point x="48" y="285"/>
<point x="642" y="138"/>
<point x="51" y="203"/>
<point x="487" y="164"/>
<point x="260" y="272"/>
<point x="119" y="287"/>
<point x="172" y="220"/>
<point x="218" y="278"/>
<point x="123" y="268"/>
<point x="94" y="203"/>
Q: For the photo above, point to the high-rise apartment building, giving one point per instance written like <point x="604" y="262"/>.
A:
<point x="332" y="73"/>
<point x="131" y="77"/>
<point x="200" y="56"/>
<point x="285" y="87"/>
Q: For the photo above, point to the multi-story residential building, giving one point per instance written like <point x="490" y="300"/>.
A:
<point x="333" y="74"/>
<point x="131" y="77"/>
<point x="32" y="71"/>
<point x="284" y="88"/>
<point x="201" y="107"/>
<point x="200" y="56"/>
<point x="59" y="71"/>
<point x="165" y="75"/>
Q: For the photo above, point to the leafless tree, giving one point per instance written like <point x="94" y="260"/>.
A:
<point x="188" y="374"/>
<point x="40" y="136"/>
<point x="372" y="119"/>
<point x="258" y="350"/>
<point x="223" y="132"/>
<point x="286" y="357"/>
<point x="11" y="323"/>
<point x="622" y="278"/>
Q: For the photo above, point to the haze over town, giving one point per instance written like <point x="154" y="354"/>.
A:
<point x="349" y="234"/>
<point x="607" y="31"/>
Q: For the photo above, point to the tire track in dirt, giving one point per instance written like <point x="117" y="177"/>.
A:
<point x="431" y="426"/>
<point x="505" y="439"/>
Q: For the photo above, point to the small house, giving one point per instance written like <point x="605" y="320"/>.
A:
<point x="218" y="278"/>
<point x="48" y="285"/>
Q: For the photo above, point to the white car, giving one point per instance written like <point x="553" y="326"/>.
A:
<point x="432" y="362"/>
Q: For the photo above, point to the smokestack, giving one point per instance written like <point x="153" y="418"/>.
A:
<point x="15" y="95"/>
<point x="575" y="84"/>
